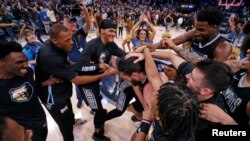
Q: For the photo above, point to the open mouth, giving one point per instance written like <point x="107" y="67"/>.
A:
<point x="24" y="70"/>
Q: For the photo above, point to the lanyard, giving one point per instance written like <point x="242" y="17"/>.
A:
<point x="50" y="99"/>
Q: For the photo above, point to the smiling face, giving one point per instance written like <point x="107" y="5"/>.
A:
<point x="72" y="26"/>
<point x="204" y="32"/>
<point x="15" y="64"/>
<point x="142" y="35"/>
<point x="31" y="38"/>
<point x="108" y="35"/>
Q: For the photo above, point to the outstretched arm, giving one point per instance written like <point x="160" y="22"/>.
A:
<point x="176" y="60"/>
<point x="184" y="37"/>
<point x="153" y="30"/>
<point x="190" y="57"/>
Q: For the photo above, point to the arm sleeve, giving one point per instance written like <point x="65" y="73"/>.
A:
<point x="117" y="51"/>
<point x="57" y="67"/>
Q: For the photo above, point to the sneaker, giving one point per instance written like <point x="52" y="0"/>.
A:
<point x="79" y="104"/>
<point x="134" y="118"/>
<point x="79" y="121"/>
<point x="92" y="112"/>
<point x="100" y="137"/>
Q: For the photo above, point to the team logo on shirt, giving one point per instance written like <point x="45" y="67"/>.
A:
<point x="102" y="57"/>
<point x="22" y="93"/>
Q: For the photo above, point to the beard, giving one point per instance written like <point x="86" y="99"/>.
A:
<point x="135" y="82"/>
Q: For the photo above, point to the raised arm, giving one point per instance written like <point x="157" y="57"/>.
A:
<point x="152" y="29"/>
<point x="22" y="29"/>
<point x="134" y="28"/>
<point x="152" y="73"/>
<point x="87" y="22"/>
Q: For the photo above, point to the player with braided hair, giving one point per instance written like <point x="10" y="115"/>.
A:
<point x="178" y="113"/>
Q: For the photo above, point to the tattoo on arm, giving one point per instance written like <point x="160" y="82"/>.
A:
<point x="188" y="56"/>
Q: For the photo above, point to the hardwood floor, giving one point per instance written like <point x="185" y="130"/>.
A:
<point x="118" y="129"/>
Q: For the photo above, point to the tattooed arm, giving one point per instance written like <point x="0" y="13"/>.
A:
<point x="188" y="56"/>
<point x="185" y="54"/>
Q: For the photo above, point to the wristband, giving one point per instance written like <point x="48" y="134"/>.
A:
<point x="144" y="127"/>
<point x="146" y="121"/>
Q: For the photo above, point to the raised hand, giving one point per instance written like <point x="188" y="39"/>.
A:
<point x="139" y="56"/>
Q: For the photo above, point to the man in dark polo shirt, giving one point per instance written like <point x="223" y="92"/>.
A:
<point x="52" y="61"/>
<point x="98" y="52"/>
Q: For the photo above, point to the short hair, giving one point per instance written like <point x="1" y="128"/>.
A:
<point x="106" y="23"/>
<point x="211" y="15"/>
<point x="56" y="29"/>
<point x="3" y="127"/>
<point x="128" y="66"/>
<point x="7" y="47"/>
<point x="178" y="110"/>
<point x="217" y="75"/>
<point x="245" y="44"/>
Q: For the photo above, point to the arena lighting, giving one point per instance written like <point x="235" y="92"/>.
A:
<point x="190" y="6"/>
<point x="184" y="6"/>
